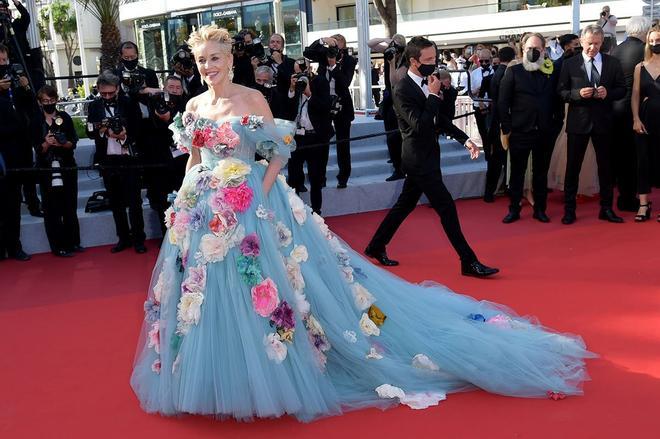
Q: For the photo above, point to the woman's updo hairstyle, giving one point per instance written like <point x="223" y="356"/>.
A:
<point x="211" y="33"/>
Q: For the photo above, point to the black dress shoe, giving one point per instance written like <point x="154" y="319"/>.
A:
<point x="380" y="256"/>
<point x="610" y="216"/>
<point x="301" y="189"/>
<point x="140" y="248"/>
<point x="62" y="253"/>
<point x="568" y="218"/>
<point x="511" y="217"/>
<point x="78" y="248"/>
<point x="36" y="212"/>
<point x="342" y="185"/>
<point x="120" y="246"/>
<point x="477" y="269"/>
<point x="20" y="255"/>
<point x="489" y="198"/>
<point x="541" y="216"/>
<point x="396" y="176"/>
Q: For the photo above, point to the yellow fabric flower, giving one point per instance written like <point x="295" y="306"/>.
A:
<point x="286" y="335"/>
<point x="548" y="67"/>
<point x="376" y="315"/>
<point x="288" y="139"/>
<point x="231" y="172"/>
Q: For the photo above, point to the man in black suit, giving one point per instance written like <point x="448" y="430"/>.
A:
<point x="280" y="64"/>
<point x="629" y="53"/>
<point x="590" y="83"/>
<point x="527" y="111"/>
<point x="183" y="62"/>
<point x="417" y="105"/>
<point x="116" y="153"/>
<point x="338" y="66"/>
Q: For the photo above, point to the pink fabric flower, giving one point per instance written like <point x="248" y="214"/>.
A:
<point x="556" y="396"/>
<point x="196" y="280"/>
<point x="500" y="321"/>
<point x="227" y="136"/>
<point x="198" y="139"/>
<point x="217" y="201"/>
<point x="155" y="366"/>
<point x="264" y="297"/>
<point x="250" y="245"/>
<point x="239" y="197"/>
<point x="154" y="336"/>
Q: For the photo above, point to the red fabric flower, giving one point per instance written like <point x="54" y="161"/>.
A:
<point x="198" y="139"/>
<point x="555" y="396"/>
<point x="245" y="119"/>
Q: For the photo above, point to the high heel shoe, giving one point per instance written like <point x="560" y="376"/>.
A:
<point x="640" y="218"/>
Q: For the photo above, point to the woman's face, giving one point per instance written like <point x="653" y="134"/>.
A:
<point x="213" y="62"/>
<point x="654" y="38"/>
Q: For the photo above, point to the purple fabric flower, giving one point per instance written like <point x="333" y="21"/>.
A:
<point x="202" y="182"/>
<point x="151" y="310"/>
<point x="282" y="316"/>
<point x="196" y="218"/>
<point x="250" y="245"/>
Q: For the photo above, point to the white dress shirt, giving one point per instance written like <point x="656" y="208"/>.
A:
<point x="598" y="62"/>
<point x="331" y="80"/>
<point x="476" y="79"/>
<point x="418" y="80"/>
<point x="115" y="147"/>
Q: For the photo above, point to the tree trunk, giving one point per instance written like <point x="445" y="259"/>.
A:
<point x="110" y="40"/>
<point x="387" y="11"/>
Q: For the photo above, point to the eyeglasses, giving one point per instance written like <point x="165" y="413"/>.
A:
<point x="108" y="93"/>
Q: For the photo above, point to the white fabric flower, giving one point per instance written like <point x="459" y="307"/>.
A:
<point x="282" y="178"/>
<point x="298" y="208"/>
<point x="419" y="401"/>
<point x="263" y="162"/>
<point x="164" y="283"/>
<point x="299" y="253"/>
<point x="314" y="326"/>
<point x="362" y="297"/>
<point x="275" y="349"/>
<point x="373" y="354"/>
<point x="320" y="222"/>
<point x="368" y="327"/>
<point x="263" y="213"/>
<point x="300" y="302"/>
<point x="347" y="271"/>
<point x="283" y="234"/>
<point x="388" y="391"/>
<point x="421" y="361"/>
<point x="231" y="172"/>
<point x="236" y="236"/>
<point x="190" y="309"/>
<point x="350" y="336"/>
<point x="294" y="274"/>
<point x="213" y="248"/>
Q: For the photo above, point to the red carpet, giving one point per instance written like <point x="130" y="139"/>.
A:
<point x="69" y="329"/>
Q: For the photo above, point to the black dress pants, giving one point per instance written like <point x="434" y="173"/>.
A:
<point x="394" y="140"/>
<point x="60" y="206"/>
<point x="482" y="119"/>
<point x="314" y="157"/>
<point x="10" y="215"/>
<point x="540" y="145"/>
<point x="441" y="200"/>
<point x="342" y="126"/>
<point x="125" y="192"/>
<point x="496" y="161"/>
<point x="625" y="161"/>
<point x="576" y="148"/>
<point x="158" y="181"/>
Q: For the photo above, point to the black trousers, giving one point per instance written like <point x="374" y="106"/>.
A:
<point x="394" y="141"/>
<point x="625" y="160"/>
<point x="125" y="192"/>
<point x="648" y="150"/>
<point x="441" y="200"/>
<point x="342" y="126"/>
<point x="540" y="145"/>
<point x="314" y="157"/>
<point x="576" y="147"/>
<point x="158" y="181"/>
<point x="60" y="206"/>
<point x="482" y="120"/>
<point x="10" y="214"/>
<point x="178" y="171"/>
<point x="496" y="161"/>
<point x="29" y="185"/>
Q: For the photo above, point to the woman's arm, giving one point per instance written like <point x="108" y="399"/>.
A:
<point x="378" y="45"/>
<point x="195" y="157"/>
<point x="638" y="126"/>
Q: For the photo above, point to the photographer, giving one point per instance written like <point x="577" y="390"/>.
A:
<point x="111" y="122"/>
<point x="185" y="69"/>
<point x="55" y="140"/>
<point x="310" y="96"/>
<point x="480" y="78"/>
<point x="394" y="68"/>
<point x="280" y="64"/>
<point x="608" y="23"/>
<point x="245" y="48"/>
<point x="16" y="104"/>
<point x="337" y="65"/>
<point x="277" y="101"/>
<point x="167" y="163"/>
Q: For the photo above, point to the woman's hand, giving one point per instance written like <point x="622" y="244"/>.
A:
<point x="638" y="127"/>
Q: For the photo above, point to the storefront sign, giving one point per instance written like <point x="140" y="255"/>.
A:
<point x="146" y="26"/>
<point x="226" y="13"/>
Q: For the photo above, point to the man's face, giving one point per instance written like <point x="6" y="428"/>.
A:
<point x="484" y="58"/>
<point x="591" y="44"/>
<point x="495" y="62"/>
<point x="426" y="56"/>
<point x="174" y="87"/>
<point x="276" y="43"/>
<point x="534" y="43"/>
<point x="262" y="78"/>
<point x="129" y="54"/>
<point x="247" y="38"/>
<point x="108" y="92"/>
<point x="570" y="47"/>
<point x="4" y="58"/>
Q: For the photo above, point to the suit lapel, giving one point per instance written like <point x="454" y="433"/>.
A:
<point x="603" y="68"/>
<point x="413" y="84"/>
<point x="583" y="69"/>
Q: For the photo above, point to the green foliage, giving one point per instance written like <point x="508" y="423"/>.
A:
<point x="80" y="124"/>
<point x="82" y="93"/>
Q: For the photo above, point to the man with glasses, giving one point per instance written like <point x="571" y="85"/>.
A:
<point x="480" y="83"/>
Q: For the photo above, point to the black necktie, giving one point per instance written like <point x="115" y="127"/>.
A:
<point x="595" y="76"/>
<point x="425" y="81"/>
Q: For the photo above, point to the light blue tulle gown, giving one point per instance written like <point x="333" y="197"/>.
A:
<point x="256" y="309"/>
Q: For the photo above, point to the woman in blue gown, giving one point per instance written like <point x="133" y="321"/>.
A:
<point x="256" y="309"/>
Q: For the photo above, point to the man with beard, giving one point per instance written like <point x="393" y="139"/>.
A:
<point x="589" y="83"/>
<point x="526" y="107"/>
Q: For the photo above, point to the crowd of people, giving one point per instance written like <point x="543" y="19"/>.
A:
<point x="524" y="96"/>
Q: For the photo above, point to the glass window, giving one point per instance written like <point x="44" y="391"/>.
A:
<point x="151" y="43"/>
<point x="178" y="31"/>
<point x="227" y="17"/>
<point x="291" y="21"/>
<point x="346" y="15"/>
<point x="259" y="18"/>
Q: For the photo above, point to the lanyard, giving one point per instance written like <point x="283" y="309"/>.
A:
<point x="302" y="106"/>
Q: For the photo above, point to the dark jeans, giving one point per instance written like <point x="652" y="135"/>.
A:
<point x="10" y="215"/>
<point x="315" y="158"/>
<point x="125" y="192"/>
<point x="576" y="147"/>
<point x="343" y="131"/>
<point x="60" y="206"/>
<point x="648" y="150"/>
<point x="441" y="200"/>
<point x="540" y="145"/>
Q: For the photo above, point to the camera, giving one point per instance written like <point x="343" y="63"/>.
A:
<point x="184" y="57"/>
<point x="332" y="52"/>
<point x="335" y="106"/>
<point x="252" y="49"/>
<point x="13" y="72"/>
<point x="302" y="79"/>
<point x="164" y="102"/>
<point x="57" y="130"/>
<point x="134" y="81"/>
<point x="114" y="123"/>
<point x="392" y="50"/>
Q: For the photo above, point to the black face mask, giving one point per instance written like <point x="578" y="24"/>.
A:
<point x="265" y="91"/>
<point x="533" y="55"/>
<point x="49" y="108"/>
<point x="110" y="101"/>
<point x="426" y="69"/>
<point x="655" y="48"/>
<point x="130" y="64"/>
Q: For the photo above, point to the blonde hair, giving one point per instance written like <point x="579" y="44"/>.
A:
<point x="647" y="50"/>
<point x="211" y="33"/>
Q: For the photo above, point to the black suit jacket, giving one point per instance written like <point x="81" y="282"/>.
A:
<point x="150" y="78"/>
<point x="284" y="72"/>
<point x="420" y="120"/>
<point x="130" y="114"/>
<point x="15" y="126"/>
<point x="586" y="115"/>
<point x="343" y="75"/>
<point x="629" y="53"/>
<point x="494" y="93"/>
<point x="318" y="107"/>
<point x="526" y="101"/>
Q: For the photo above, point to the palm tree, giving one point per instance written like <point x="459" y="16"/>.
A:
<point x="107" y="13"/>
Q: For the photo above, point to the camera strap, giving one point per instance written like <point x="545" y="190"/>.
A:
<point x="301" y="107"/>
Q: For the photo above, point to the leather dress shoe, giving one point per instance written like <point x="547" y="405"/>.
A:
<point x="78" y="248"/>
<point x="140" y="248"/>
<point x="380" y="256"/>
<point x="511" y="217"/>
<point x="610" y="216"/>
<point x="396" y="175"/>
<point x="541" y="216"/>
<point x="477" y="269"/>
<point x="568" y="218"/>
<point x="120" y="246"/>
<point x="36" y="212"/>
<point x="20" y="255"/>
<point x="62" y="253"/>
<point x="342" y="185"/>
